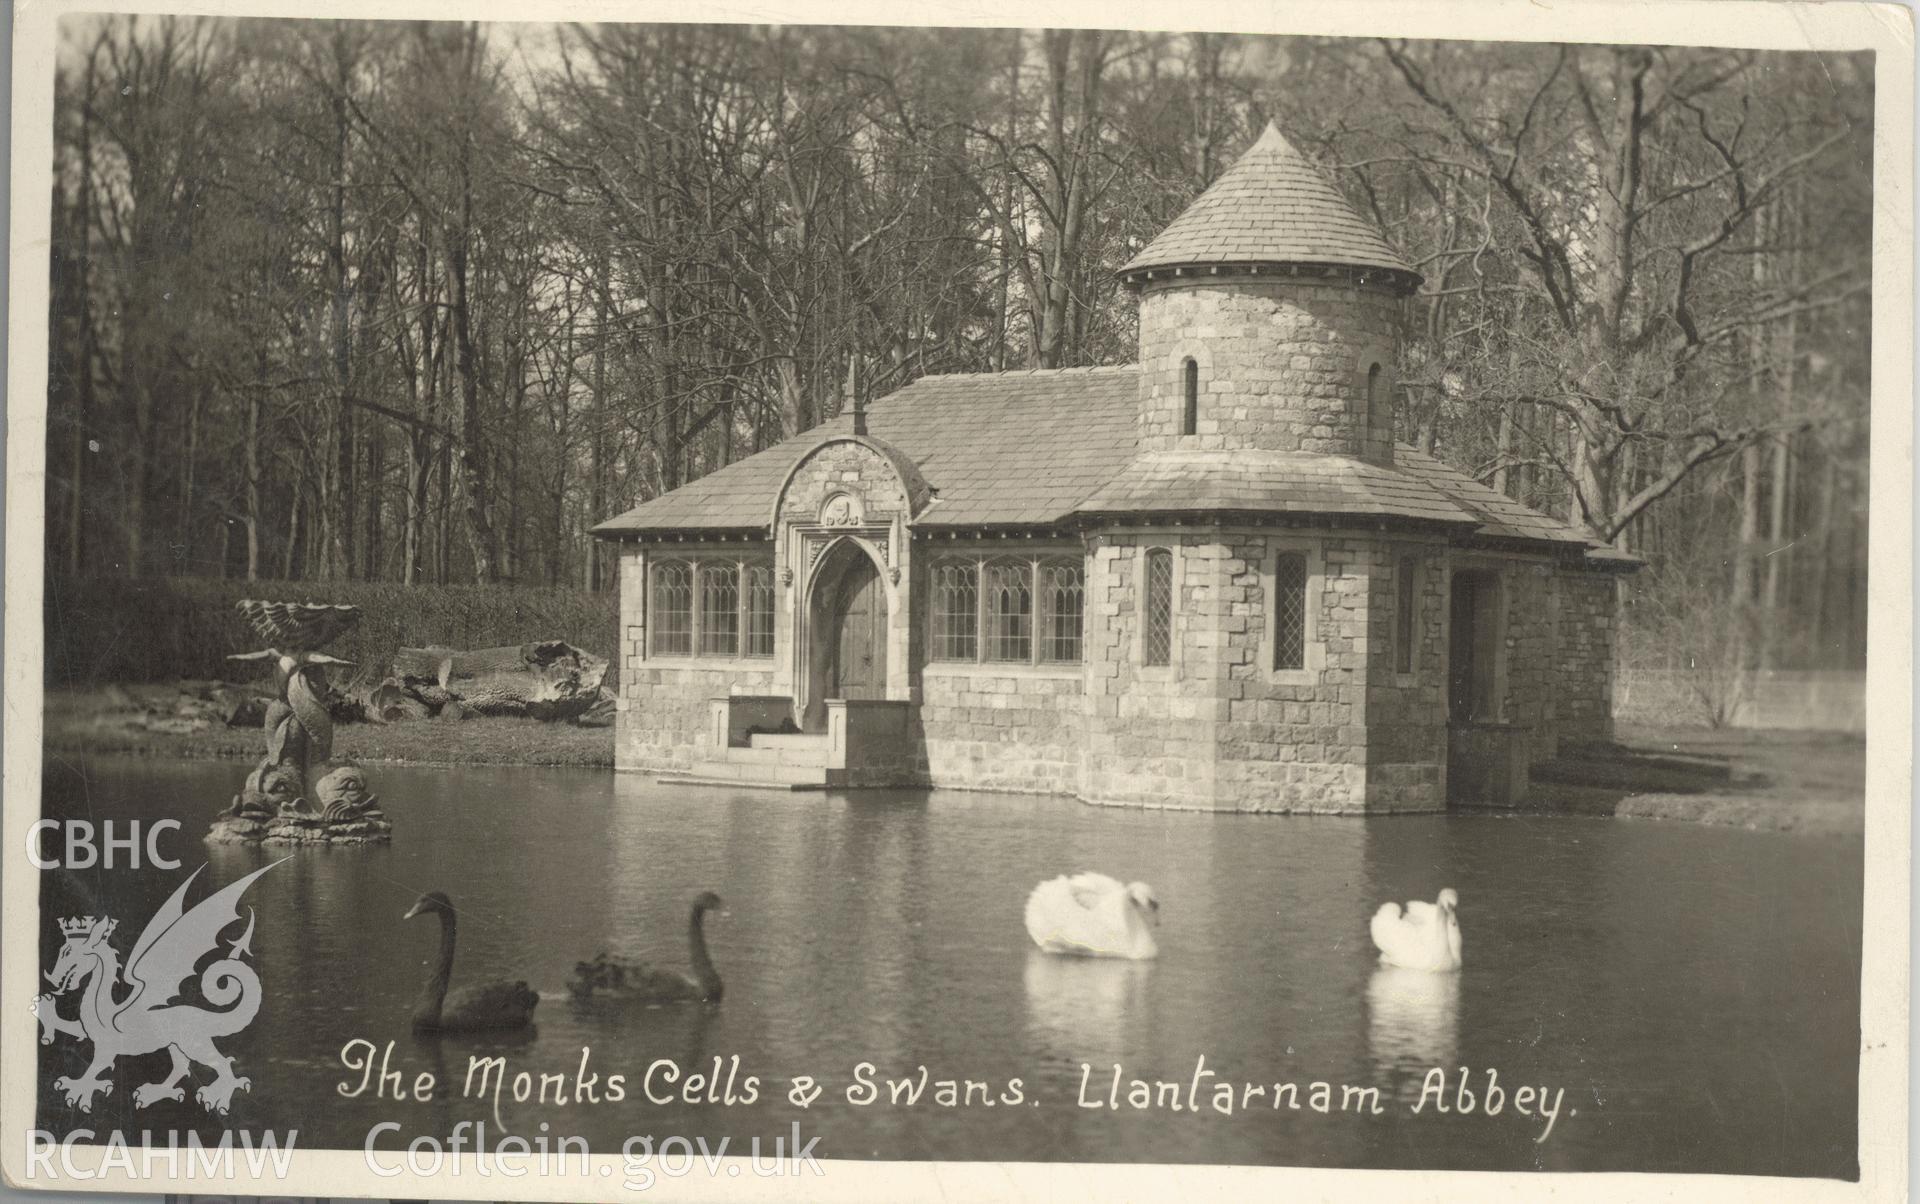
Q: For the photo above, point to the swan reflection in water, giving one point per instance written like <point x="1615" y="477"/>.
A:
<point x="1413" y="1024"/>
<point x="679" y="1033"/>
<point x="1086" y="1008"/>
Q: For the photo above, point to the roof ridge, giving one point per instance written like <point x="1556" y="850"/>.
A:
<point x="1085" y="370"/>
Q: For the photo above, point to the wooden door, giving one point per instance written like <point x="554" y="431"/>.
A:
<point x="1461" y="667"/>
<point x="858" y="666"/>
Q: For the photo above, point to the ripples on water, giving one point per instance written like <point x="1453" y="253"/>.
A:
<point x="1694" y="990"/>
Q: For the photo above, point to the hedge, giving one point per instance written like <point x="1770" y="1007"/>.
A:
<point x="101" y="630"/>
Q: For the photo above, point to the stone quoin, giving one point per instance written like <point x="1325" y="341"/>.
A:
<point x="1211" y="579"/>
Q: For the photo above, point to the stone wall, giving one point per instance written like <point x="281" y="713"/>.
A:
<point x="1219" y="727"/>
<point x="1406" y="712"/>
<point x="1583" y="651"/>
<point x="1283" y="366"/>
<point x="1531" y="694"/>
<point x="991" y="726"/>
<point x="1297" y="741"/>
<point x="1150" y="731"/>
<point x="987" y="728"/>
<point x="662" y="719"/>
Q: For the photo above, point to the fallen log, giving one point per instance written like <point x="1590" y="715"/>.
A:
<point x="392" y="702"/>
<point x="549" y="679"/>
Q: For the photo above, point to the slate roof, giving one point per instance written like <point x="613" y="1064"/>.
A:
<point x="999" y="449"/>
<point x="1270" y="482"/>
<point x="1025" y="449"/>
<point x="1500" y="516"/>
<point x="1272" y="206"/>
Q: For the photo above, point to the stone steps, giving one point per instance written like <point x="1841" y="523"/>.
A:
<point x="780" y="755"/>
<point x="763" y="771"/>
<point x="796" y="740"/>
<point x="770" y="761"/>
<point x="695" y="779"/>
<point x="773" y="761"/>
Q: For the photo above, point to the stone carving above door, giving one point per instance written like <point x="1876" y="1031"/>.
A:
<point x="841" y="510"/>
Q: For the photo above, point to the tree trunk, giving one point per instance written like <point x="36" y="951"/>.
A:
<point x="250" y="467"/>
<point x="1003" y="239"/>
<point x="83" y="383"/>
<point x="338" y="510"/>
<point x="1504" y="451"/>
<point x="371" y="543"/>
<point x="1744" y="574"/>
<point x="137" y="391"/>
<point x="293" y="534"/>
<point x="419" y="469"/>
<point x="183" y="526"/>
<point x="511" y="550"/>
<point x="597" y="442"/>
<point x="443" y="526"/>
<point x="1831" y="568"/>
<point x="473" y="446"/>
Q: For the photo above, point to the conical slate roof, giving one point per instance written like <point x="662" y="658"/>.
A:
<point x="1272" y="206"/>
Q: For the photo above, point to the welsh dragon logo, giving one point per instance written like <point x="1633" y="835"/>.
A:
<point x="145" y="1017"/>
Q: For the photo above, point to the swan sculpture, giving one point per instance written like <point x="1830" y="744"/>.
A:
<point x="639" y="982"/>
<point x="1427" y="937"/>
<point x="492" y="1005"/>
<point x="1092" y="915"/>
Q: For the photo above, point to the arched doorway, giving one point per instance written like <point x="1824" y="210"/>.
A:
<point x="848" y="623"/>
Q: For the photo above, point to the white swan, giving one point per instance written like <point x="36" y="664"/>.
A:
<point x="1427" y="937"/>
<point x="1091" y="915"/>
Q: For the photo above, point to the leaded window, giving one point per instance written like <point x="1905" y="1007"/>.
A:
<point x="1007" y="610"/>
<point x="1009" y="593"/>
<point x="1062" y="612"/>
<point x="719" y="610"/>
<point x="1290" y="611"/>
<point x="956" y="610"/>
<point x="673" y="608"/>
<point x="1159" y="609"/>
<point x="759" y="610"/>
<point x="719" y="606"/>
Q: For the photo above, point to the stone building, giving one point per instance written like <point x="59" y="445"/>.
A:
<point x="1210" y="579"/>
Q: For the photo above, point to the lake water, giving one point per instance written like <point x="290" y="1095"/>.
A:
<point x="1694" y="991"/>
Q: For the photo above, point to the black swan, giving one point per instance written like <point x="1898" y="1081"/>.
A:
<point x="493" y="1005"/>
<point x="641" y="983"/>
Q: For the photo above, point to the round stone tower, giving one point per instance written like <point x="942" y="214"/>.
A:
<point x="1270" y="317"/>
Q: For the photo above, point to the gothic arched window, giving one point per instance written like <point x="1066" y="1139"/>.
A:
<point x="1190" y="391"/>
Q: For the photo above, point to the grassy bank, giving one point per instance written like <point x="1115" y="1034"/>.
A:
<point x="75" y="729"/>
<point x="1776" y="781"/>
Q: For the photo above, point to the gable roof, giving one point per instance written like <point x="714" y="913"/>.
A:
<point x="999" y="449"/>
<point x="1042" y="448"/>
<point x="1271" y="206"/>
